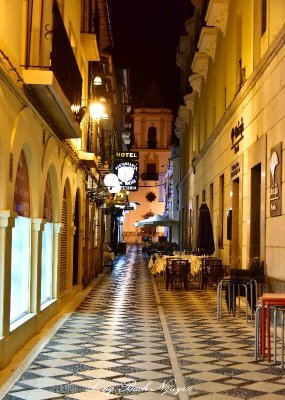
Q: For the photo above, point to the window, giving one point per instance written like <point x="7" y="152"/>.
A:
<point x="20" y="272"/>
<point x="221" y="212"/>
<point x="211" y="199"/>
<point x="152" y="138"/>
<point x="263" y="16"/>
<point x="21" y="245"/>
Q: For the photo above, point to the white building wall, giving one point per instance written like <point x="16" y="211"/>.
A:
<point x="260" y="104"/>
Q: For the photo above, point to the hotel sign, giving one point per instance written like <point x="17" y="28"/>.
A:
<point x="126" y="167"/>
<point x="275" y="180"/>
<point x="130" y="155"/>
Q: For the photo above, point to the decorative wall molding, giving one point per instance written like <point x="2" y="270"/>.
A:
<point x="189" y="100"/>
<point x="181" y="61"/>
<point x="195" y="81"/>
<point x="184" y="113"/>
<point x="198" y="4"/>
<point x="217" y="14"/>
<point x="200" y="64"/>
<point x="191" y="24"/>
<point x="182" y="121"/>
<point x="208" y="41"/>
<point x="184" y="43"/>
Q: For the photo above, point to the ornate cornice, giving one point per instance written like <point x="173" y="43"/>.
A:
<point x="184" y="113"/>
<point x="217" y="14"/>
<point x="182" y="121"/>
<point x="181" y="61"/>
<point x="189" y="100"/>
<point x="184" y="43"/>
<point x="200" y="64"/>
<point x="208" y="41"/>
<point x="198" y="4"/>
<point x="190" y="25"/>
<point x="195" y="81"/>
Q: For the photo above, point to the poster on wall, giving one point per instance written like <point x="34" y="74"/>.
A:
<point x="275" y="164"/>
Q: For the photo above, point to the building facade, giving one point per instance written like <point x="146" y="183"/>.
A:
<point x="152" y="139"/>
<point x="231" y="130"/>
<point x="54" y="155"/>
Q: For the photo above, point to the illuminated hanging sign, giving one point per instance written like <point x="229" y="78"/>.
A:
<point x="127" y="173"/>
<point x="237" y="135"/>
<point x="133" y="155"/>
<point x="275" y="180"/>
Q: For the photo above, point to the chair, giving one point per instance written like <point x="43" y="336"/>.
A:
<point x="177" y="269"/>
<point x="212" y="271"/>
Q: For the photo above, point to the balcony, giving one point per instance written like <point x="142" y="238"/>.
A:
<point x="149" y="176"/>
<point x="217" y="14"/>
<point x="54" y="81"/>
<point x="200" y="64"/>
<point x="152" y="144"/>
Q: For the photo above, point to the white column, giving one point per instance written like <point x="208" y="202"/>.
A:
<point x="7" y="222"/>
<point x="36" y="263"/>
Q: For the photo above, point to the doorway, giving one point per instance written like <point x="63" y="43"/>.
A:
<point x="76" y="241"/>
<point x="235" y="255"/>
<point x="255" y="208"/>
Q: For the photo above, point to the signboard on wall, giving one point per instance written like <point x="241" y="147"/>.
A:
<point x="126" y="167"/>
<point x="275" y="164"/>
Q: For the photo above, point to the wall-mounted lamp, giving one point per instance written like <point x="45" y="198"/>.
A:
<point x="112" y="182"/>
<point x="98" y="110"/>
<point x="97" y="81"/>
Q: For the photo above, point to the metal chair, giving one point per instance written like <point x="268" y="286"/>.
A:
<point x="212" y="271"/>
<point x="177" y="269"/>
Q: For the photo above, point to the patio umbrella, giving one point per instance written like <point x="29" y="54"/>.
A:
<point x="155" y="220"/>
<point x="205" y="236"/>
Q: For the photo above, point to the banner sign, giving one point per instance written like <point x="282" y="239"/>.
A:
<point x="127" y="172"/>
<point x="275" y="164"/>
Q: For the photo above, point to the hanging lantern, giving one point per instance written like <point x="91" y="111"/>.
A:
<point x="111" y="180"/>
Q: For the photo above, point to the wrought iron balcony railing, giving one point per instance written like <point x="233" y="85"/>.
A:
<point x="149" y="176"/>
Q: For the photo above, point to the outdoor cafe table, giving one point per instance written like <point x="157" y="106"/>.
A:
<point x="157" y="264"/>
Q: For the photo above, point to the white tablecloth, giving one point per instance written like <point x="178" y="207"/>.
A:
<point x="158" y="264"/>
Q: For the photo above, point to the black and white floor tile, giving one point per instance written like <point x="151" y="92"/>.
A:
<point x="132" y="340"/>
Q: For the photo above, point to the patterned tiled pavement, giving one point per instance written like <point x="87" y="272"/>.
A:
<point x="130" y="339"/>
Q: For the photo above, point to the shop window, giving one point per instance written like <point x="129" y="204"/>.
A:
<point x="20" y="272"/>
<point x="21" y="245"/>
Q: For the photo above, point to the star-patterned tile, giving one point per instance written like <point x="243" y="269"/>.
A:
<point x="125" y="343"/>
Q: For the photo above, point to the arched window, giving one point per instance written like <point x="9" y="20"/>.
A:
<point x="21" y="244"/>
<point x="47" y="246"/>
<point x="151" y="140"/>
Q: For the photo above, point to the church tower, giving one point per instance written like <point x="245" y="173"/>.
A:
<point x="152" y="125"/>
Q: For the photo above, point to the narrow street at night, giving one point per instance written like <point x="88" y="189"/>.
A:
<point x="131" y="339"/>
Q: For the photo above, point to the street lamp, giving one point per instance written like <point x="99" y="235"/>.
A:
<point x="112" y="182"/>
<point x="98" y="110"/>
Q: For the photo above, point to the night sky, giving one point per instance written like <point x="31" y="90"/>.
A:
<point x="146" y="36"/>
